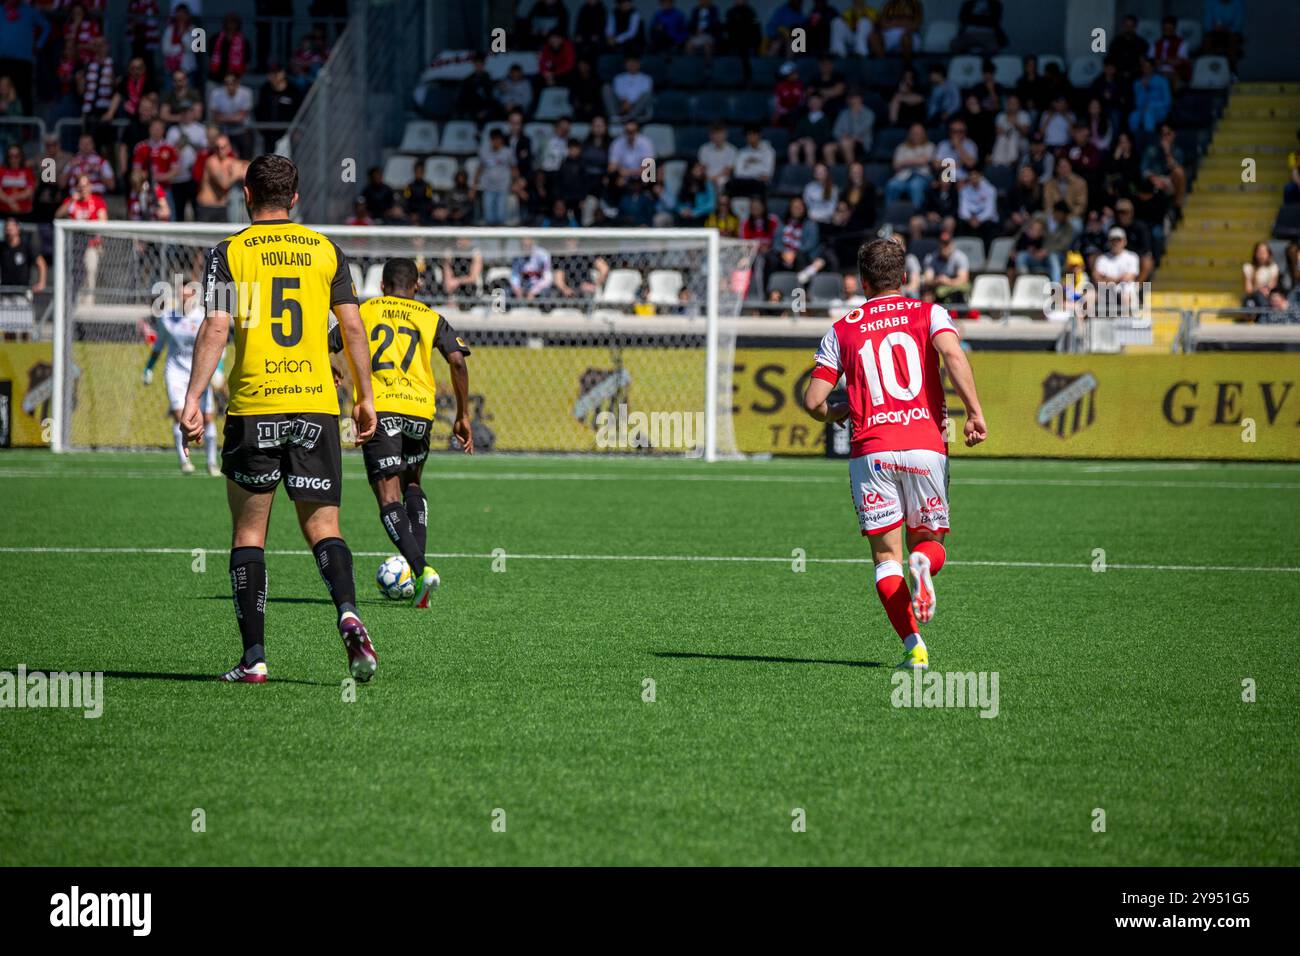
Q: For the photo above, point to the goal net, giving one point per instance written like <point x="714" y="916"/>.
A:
<point x="583" y="340"/>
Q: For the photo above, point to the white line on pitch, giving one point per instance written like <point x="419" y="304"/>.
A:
<point x="683" y="558"/>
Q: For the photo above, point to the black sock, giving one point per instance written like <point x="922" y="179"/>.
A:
<point x="398" y="525"/>
<point x="248" y="585"/>
<point x="335" y="563"/>
<point x="417" y="507"/>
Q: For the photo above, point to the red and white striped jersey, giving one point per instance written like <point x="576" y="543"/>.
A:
<point x="884" y="350"/>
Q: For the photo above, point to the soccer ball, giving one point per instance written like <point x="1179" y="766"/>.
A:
<point x="394" y="579"/>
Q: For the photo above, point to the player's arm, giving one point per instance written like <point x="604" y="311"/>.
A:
<point x="343" y="303"/>
<point x="454" y="350"/>
<point x="825" y="376"/>
<point x="210" y="343"/>
<point x="948" y="345"/>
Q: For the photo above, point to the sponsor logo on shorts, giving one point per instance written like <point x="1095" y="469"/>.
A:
<point x="270" y="478"/>
<point x="908" y="469"/>
<point x="308" y="482"/>
<point x="414" y="427"/>
<point x="901" y="416"/>
<point x="416" y="459"/>
<point x="391" y="461"/>
<point x="298" y="431"/>
<point x="391" y="425"/>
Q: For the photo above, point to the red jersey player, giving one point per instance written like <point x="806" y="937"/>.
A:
<point x="888" y="351"/>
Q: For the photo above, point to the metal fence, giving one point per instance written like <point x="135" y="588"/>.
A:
<point x="356" y="107"/>
<point x="1256" y="329"/>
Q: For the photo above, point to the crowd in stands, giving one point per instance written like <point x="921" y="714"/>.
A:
<point x="1079" y="179"/>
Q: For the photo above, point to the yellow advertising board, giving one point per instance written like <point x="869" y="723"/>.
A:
<point x="26" y="386"/>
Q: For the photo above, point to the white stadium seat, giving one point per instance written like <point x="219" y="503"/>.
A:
<point x="553" y="103"/>
<point x="990" y="292"/>
<point x="665" y="286"/>
<point x="1190" y="30"/>
<point x="459" y="138"/>
<point x="1149" y="30"/>
<point x="1211" y="73"/>
<point x="621" y="287"/>
<point x="965" y="71"/>
<point x="938" y="36"/>
<point x="661" y="134"/>
<point x="673" y="172"/>
<point x="358" y="278"/>
<point x="399" y="170"/>
<point x="370" y="287"/>
<point x="1007" y="70"/>
<point x="973" y="247"/>
<point x="999" y="254"/>
<point x="441" y="172"/>
<point x="420" y="137"/>
<point x="539" y="134"/>
<point x="499" y="64"/>
<point x="1046" y="58"/>
<point x="1030" y="292"/>
<point x="1083" y="70"/>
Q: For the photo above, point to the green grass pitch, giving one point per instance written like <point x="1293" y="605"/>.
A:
<point x="523" y="689"/>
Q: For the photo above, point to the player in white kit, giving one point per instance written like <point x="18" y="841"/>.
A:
<point x="888" y="351"/>
<point x="177" y="330"/>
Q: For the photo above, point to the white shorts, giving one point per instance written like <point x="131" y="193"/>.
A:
<point x="895" y="487"/>
<point x="177" y="381"/>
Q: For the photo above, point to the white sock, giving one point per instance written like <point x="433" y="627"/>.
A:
<point x="912" y="641"/>
<point x="210" y="443"/>
<point x="179" y="440"/>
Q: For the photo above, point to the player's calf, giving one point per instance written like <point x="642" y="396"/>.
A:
<point x="248" y="586"/>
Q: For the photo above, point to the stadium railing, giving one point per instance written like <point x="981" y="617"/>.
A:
<point x="1242" y="328"/>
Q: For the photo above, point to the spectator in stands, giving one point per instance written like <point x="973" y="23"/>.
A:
<point x="228" y="52"/>
<point x="494" y="177"/>
<point x="1128" y="49"/>
<point x="1260" y="277"/>
<point x="697" y="199"/>
<point x="987" y="89"/>
<point x="1092" y="241"/>
<point x="557" y="146"/>
<point x="636" y="204"/>
<point x="860" y="195"/>
<point x="459" y="200"/>
<point x="1170" y="55"/>
<point x="821" y="195"/>
<point x="381" y="200"/>
<point x="1112" y="92"/>
<point x="1291" y="256"/>
<point x="586" y="93"/>
<point x="1031" y="87"/>
<point x="941" y="205"/>
<point x="852" y="29"/>
<point x="631" y="94"/>
<point x="230" y="106"/>
<point x="589" y="29"/>
<point x="812" y="134"/>
<point x="1283" y="312"/>
<point x="418" y="197"/>
<point x="1038" y="158"/>
<point x="704" y="29"/>
<point x="788" y="95"/>
<point x="717" y="155"/>
<point x="1010" y="133"/>
<point x="911" y="269"/>
<point x="977" y="207"/>
<point x="945" y="97"/>
<point x="1056" y="123"/>
<point x="519" y="143"/>
<point x="360" y="215"/>
<point x="17" y="186"/>
<point x="945" y="274"/>
<point x="723" y="219"/>
<point x="852" y="132"/>
<point x="89" y="164"/>
<point x="755" y="165"/>
<point x="1291" y="191"/>
<point x="632" y="153"/>
<point x="744" y="35"/>
<point x="979" y="122"/>
<point x="979" y="28"/>
<point x="570" y="177"/>
<point x="1030" y="258"/>
<point x="897" y="28"/>
<point x="1151" y="100"/>
<point x="24" y="33"/>
<point x="158" y="159"/>
<point x="1117" y="269"/>
<point x="10" y="104"/>
<point x="759" y="226"/>
<point x="1086" y="160"/>
<point x="1058" y="232"/>
<point x="1101" y="131"/>
<point x="1122" y="167"/>
<point x="462" y="269"/>
<point x="187" y="138"/>
<point x="531" y="274"/>
<point x="556" y="61"/>
<point x="624" y="32"/>
<point x="134" y="85"/>
<point x="820" y="19"/>
<point x="514" y="91"/>
<point x="98" y="81"/>
<point x="178" y="43"/>
<point x="559" y="216"/>
<point x="786" y="18"/>
<point x="1162" y="164"/>
<point x="306" y="63"/>
<point x="545" y="17"/>
<point x="1024" y="199"/>
<point x="277" y="104"/>
<point x="19" y="256"/>
<point x="907" y="105"/>
<point x="1137" y="237"/>
<point x="1223" y="24"/>
<point x="668" y="28"/>
<point x="135" y="132"/>
<point x="956" y="154"/>
<point x="175" y="106"/>
<point x="912" y="159"/>
<point x="829" y="84"/>
<point x="146" y="200"/>
<point x="85" y="205"/>
<point x="1069" y="187"/>
<point x="1080" y="294"/>
<point x="50" y="191"/>
<point x="795" y="245"/>
<point x="476" y="99"/>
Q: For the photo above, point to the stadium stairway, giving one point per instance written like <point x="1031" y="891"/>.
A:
<point x="1223" y="217"/>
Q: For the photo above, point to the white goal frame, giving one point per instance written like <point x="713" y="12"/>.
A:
<point x="64" y="228"/>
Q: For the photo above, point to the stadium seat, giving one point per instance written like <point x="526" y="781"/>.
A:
<point x="471" y="167"/>
<point x="1149" y="30"/>
<point x="884" y="74"/>
<point x="898" y="212"/>
<point x="497" y="277"/>
<point x="661" y="134"/>
<point x="674" y="106"/>
<point x="1083" y="70"/>
<point x="779" y="138"/>
<point x="750" y="107"/>
<point x="620" y="288"/>
<point x="878" y="174"/>
<point x="740" y="209"/>
<point x="973" y="247"/>
<point x="1030" y="292"/>
<point x="435" y="99"/>
<point x="655" y="67"/>
<point x="579" y="131"/>
<point x="938" y="36"/>
<point x="885" y="142"/>
<point x="495" y="124"/>
<point x="370" y="286"/>
<point x="839" y="176"/>
<point x="499" y="64"/>
<point x="922" y="247"/>
<point x="399" y="170"/>
<point x="1001" y="177"/>
<point x="690" y="139"/>
<point x="358" y="277"/>
<point x="783" y="283"/>
<point x="763" y="72"/>
<point x="1190" y="30"/>
<point x="990" y="292"/>
<point x="553" y="103"/>
<point x="459" y="138"/>
<point x="705" y="104"/>
<point x="791" y="179"/>
<point x="684" y="72"/>
<point x="1211" y="73"/>
<point x="609" y="66"/>
<point x="778" y="206"/>
<point x="420" y="138"/>
<point x="674" y="171"/>
<point x="1007" y="70"/>
<point x="999" y="254"/>
<point x="539" y="134"/>
<point x="825" y="287"/>
<point x="664" y="287"/>
<point x="1046" y="58"/>
<point x="726" y="73"/>
<point x="964" y="71"/>
<point x="441" y="172"/>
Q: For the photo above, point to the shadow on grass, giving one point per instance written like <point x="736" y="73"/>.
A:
<point x="764" y="659"/>
<point x="160" y="675"/>
<point x="271" y="599"/>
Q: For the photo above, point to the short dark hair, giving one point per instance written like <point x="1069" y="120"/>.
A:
<point x="400" y="275"/>
<point x="882" y="264"/>
<point x="272" y="182"/>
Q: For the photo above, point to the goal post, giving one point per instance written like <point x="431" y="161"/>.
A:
<point x="584" y="341"/>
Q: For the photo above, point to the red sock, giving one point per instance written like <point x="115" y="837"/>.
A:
<point x="934" y="551"/>
<point x="896" y="598"/>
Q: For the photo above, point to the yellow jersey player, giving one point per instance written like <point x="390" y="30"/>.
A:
<point x="403" y="334"/>
<point x="278" y="282"/>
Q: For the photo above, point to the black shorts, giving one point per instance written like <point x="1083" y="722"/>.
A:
<point x="303" y="450"/>
<point x="399" y="442"/>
